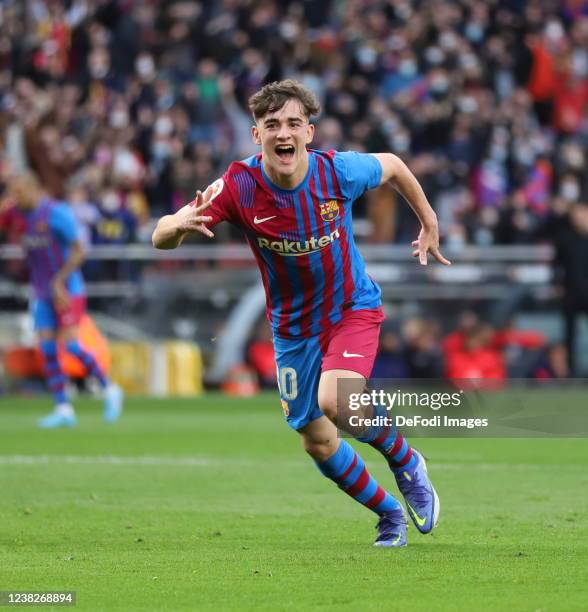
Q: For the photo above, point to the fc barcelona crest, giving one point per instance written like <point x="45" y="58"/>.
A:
<point x="329" y="210"/>
<point x="285" y="408"/>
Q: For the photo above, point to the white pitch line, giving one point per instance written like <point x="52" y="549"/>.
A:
<point x="189" y="461"/>
<point x="105" y="460"/>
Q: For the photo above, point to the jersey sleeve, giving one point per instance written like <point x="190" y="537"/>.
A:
<point x="357" y="172"/>
<point x="221" y="208"/>
<point x="62" y="222"/>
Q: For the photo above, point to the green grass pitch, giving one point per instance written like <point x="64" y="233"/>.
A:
<point x="210" y="504"/>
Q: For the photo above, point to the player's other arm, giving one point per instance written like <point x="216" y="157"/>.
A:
<point x="395" y="171"/>
<point x="73" y="262"/>
<point x="65" y="229"/>
<point x="171" y="230"/>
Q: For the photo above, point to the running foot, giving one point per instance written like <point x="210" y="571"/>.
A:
<point x="391" y="530"/>
<point x="57" y="419"/>
<point x="420" y="496"/>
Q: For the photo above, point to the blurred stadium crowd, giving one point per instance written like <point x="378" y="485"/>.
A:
<point x="418" y="347"/>
<point x="124" y="108"/>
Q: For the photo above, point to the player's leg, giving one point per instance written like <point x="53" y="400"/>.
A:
<point x="68" y="322"/>
<point x="350" y="352"/>
<point x="335" y="387"/>
<point x="299" y="365"/>
<point x="407" y="465"/>
<point x="357" y="335"/>
<point x="337" y="460"/>
<point x="45" y="325"/>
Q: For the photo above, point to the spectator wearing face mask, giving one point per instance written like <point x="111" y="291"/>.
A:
<point x="115" y="226"/>
<point x="403" y="76"/>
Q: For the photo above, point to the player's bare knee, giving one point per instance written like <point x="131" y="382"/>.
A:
<point x="320" y="450"/>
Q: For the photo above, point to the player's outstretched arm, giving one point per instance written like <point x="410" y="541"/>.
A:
<point x="404" y="181"/>
<point x="171" y="229"/>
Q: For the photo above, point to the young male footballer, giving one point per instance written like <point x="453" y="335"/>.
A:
<point x="54" y="256"/>
<point x="294" y="205"/>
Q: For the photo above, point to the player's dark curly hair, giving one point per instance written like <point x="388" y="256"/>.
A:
<point x="273" y="96"/>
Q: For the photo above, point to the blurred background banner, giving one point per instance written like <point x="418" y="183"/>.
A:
<point x="125" y="108"/>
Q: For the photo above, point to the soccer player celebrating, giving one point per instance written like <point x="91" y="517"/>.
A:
<point x="54" y="256"/>
<point x="293" y="205"/>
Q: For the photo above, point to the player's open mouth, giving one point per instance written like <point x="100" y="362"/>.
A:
<point x="285" y="153"/>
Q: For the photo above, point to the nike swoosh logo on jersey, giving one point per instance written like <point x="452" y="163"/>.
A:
<point x="258" y="221"/>
<point x="346" y="354"/>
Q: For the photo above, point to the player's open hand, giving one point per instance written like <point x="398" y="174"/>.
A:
<point x="191" y="218"/>
<point x="428" y="242"/>
<point x="60" y="296"/>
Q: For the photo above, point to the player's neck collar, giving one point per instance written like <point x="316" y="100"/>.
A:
<point x="301" y="185"/>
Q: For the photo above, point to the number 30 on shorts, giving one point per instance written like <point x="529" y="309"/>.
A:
<point x="288" y="383"/>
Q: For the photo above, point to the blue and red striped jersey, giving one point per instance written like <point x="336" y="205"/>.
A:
<point x="302" y="238"/>
<point x="49" y="231"/>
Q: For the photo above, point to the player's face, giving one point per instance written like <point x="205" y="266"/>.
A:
<point x="283" y="136"/>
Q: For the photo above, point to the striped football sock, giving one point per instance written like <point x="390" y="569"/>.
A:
<point x="53" y="372"/>
<point x="347" y="470"/>
<point x="389" y="441"/>
<point x="91" y="365"/>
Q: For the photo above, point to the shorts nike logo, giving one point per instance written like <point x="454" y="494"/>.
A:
<point x="258" y="221"/>
<point x="420" y="521"/>
<point x="346" y="354"/>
